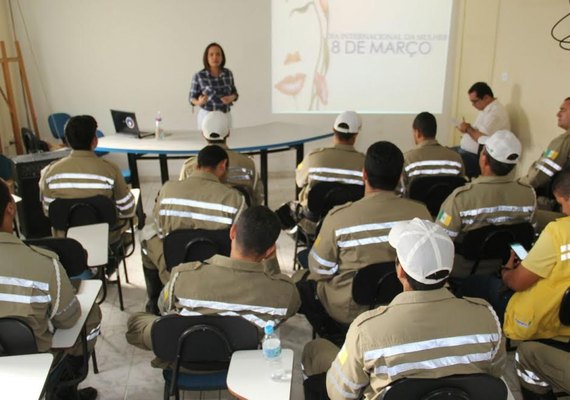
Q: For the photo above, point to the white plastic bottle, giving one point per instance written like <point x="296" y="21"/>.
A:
<point x="271" y="346"/>
<point x="158" y="132"/>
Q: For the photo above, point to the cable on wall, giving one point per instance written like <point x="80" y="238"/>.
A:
<point x="563" y="42"/>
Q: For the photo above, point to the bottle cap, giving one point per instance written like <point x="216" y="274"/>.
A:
<point x="269" y="327"/>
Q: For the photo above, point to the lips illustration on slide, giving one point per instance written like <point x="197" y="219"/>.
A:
<point x="291" y="85"/>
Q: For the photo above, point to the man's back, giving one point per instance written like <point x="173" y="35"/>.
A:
<point x="227" y="286"/>
<point x="35" y="288"/>
<point x="421" y="334"/>
<point x="83" y="174"/>
<point x="340" y="163"/>
<point x="353" y="236"/>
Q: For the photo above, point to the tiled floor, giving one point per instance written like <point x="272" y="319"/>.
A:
<point x="125" y="371"/>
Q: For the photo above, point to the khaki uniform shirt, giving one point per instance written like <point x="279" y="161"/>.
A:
<point x="429" y="158"/>
<point x="226" y="286"/>
<point x="241" y="172"/>
<point x="340" y="163"/>
<point x="35" y="288"/>
<point x="420" y="334"/>
<point x="199" y="202"/>
<point x="554" y="158"/>
<point x="83" y="174"/>
<point x="487" y="200"/>
<point x="352" y="237"/>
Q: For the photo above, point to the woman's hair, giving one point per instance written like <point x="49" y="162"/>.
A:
<point x="205" y="57"/>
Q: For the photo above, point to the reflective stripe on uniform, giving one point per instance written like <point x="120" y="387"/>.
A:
<point x="218" y="305"/>
<point x="502" y="208"/>
<point x="451" y="234"/>
<point x="343" y="393"/>
<point x="543" y="169"/>
<point x="94" y="332"/>
<point x="199" y="204"/>
<point x="337" y="171"/>
<point x="11" y="281"/>
<point x="440" y="171"/>
<point x="344" y="378"/>
<point x="333" y="267"/>
<point x="331" y="179"/>
<point x="528" y="376"/>
<point x="79" y="186"/>
<point x="433" y="162"/>
<point x="364" y="228"/>
<point x="17" y="298"/>
<point x="203" y="217"/>
<point x="362" y="242"/>
<point x="551" y="164"/>
<point x="564" y="252"/>
<point x="70" y="175"/>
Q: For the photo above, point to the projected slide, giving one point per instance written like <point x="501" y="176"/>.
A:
<point x="372" y="56"/>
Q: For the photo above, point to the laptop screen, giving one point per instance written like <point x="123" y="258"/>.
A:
<point x="125" y="122"/>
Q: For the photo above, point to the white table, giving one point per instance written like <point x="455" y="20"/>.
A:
<point x="87" y="293"/>
<point x="259" y="139"/>
<point x="248" y="376"/>
<point x="23" y="377"/>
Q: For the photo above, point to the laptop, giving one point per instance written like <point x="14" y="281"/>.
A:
<point x="126" y="122"/>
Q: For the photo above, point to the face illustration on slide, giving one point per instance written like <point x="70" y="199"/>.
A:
<point x="297" y="78"/>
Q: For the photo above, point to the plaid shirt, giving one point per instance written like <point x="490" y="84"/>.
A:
<point x="214" y="87"/>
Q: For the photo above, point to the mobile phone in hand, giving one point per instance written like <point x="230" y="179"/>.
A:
<point x="519" y="250"/>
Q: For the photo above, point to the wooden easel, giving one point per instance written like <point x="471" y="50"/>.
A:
<point x="9" y="95"/>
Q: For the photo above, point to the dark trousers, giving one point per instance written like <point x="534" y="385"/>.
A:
<point x="315" y="387"/>
<point x="489" y="288"/>
<point x="470" y="161"/>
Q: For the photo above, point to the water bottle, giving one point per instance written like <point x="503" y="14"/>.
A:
<point x="271" y="346"/>
<point x="158" y="132"/>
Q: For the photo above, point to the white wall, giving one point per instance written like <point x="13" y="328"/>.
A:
<point x="89" y="56"/>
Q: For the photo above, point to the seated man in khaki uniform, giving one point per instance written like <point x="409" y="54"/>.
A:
<point x="202" y="201"/>
<point x="83" y="174"/>
<point x="238" y="285"/>
<point x="353" y="236"/>
<point x="340" y="163"/>
<point x="542" y="368"/>
<point x="35" y="288"/>
<point x="425" y="332"/>
<point x="428" y="158"/>
<point x="241" y="172"/>
<point x="494" y="198"/>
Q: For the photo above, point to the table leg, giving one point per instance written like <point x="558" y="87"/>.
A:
<point x="163" y="167"/>
<point x="263" y="162"/>
<point x="132" y="159"/>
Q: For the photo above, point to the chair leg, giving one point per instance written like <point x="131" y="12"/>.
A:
<point x="125" y="269"/>
<point x="119" y="288"/>
<point x="101" y="272"/>
<point x="94" y="359"/>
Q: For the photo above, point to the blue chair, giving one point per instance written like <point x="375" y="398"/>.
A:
<point x="57" y="123"/>
<point x="125" y="172"/>
<point x="5" y="167"/>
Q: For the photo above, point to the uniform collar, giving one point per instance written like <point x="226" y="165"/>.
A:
<point x="422" y="296"/>
<point x="83" y="153"/>
<point x="494" y="179"/>
<point x="381" y="195"/>
<point x="204" y="175"/>
<point x="428" y="142"/>
<point x="342" y="146"/>
<point x="242" y="265"/>
<point x="9" y="238"/>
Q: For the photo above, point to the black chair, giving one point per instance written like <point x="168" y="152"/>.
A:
<point x="376" y="284"/>
<point x="71" y="254"/>
<point x="199" y="343"/>
<point x="493" y="242"/>
<point x="565" y="308"/>
<point x="455" y="387"/>
<point x="16" y="338"/>
<point x="433" y="190"/>
<point x="185" y="245"/>
<point x="32" y="143"/>
<point x="322" y="198"/>
<point x="67" y="213"/>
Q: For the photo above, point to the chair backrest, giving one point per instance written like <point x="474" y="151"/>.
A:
<point x="65" y="213"/>
<point x="32" y="143"/>
<point x="325" y="195"/>
<point x="433" y="190"/>
<point x="204" y="342"/>
<point x="57" y="123"/>
<point x="376" y="284"/>
<point x="71" y="254"/>
<point x="245" y="191"/>
<point x="16" y="338"/>
<point x="565" y="308"/>
<point x="184" y="245"/>
<point x="5" y="167"/>
<point x="455" y="387"/>
<point x="493" y="242"/>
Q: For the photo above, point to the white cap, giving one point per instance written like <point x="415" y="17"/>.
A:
<point x="503" y="146"/>
<point x="347" y="122"/>
<point x="215" y="126"/>
<point x="423" y="248"/>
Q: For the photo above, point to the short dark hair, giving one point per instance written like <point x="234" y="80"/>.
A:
<point x="567" y="99"/>
<point x="343" y="136"/>
<point x="423" y="286"/>
<point x="210" y="156"/>
<point x="426" y="124"/>
<point x="5" y="197"/>
<point x="205" y="57"/>
<point x="561" y="182"/>
<point x="481" y="89"/>
<point x="257" y="229"/>
<point x="383" y="165"/>
<point x="497" y="167"/>
<point x="80" y="131"/>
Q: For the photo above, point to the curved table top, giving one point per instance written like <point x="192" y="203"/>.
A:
<point x="270" y="136"/>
